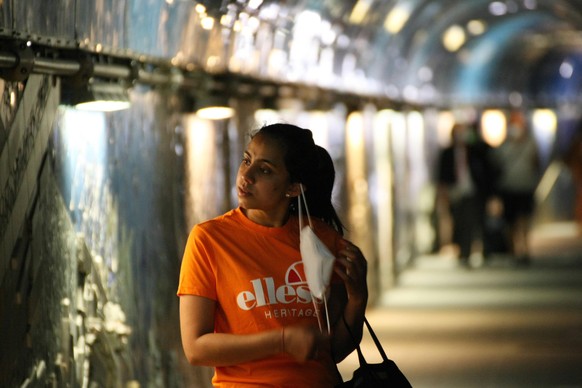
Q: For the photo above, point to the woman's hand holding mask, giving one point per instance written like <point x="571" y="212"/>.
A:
<point x="352" y="267"/>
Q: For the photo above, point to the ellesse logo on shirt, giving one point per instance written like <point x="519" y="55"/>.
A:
<point x="265" y="292"/>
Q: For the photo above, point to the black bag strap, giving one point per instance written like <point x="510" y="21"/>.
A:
<point x="376" y="340"/>
<point x="361" y="357"/>
<point x="375" y="375"/>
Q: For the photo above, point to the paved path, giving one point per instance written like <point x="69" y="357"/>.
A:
<point x="495" y="326"/>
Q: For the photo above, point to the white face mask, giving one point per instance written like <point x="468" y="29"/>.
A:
<point x="317" y="259"/>
<point x="317" y="262"/>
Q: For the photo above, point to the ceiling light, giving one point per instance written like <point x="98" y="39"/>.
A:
<point x="566" y="69"/>
<point x="96" y="96"/>
<point x="213" y="107"/>
<point x="498" y="8"/>
<point x="476" y="27"/>
<point x="207" y="23"/>
<point x="360" y="11"/>
<point x="396" y="18"/>
<point x="453" y="38"/>
<point x="255" y="4"/>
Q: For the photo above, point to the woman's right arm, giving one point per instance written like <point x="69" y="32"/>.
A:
<point x="203" y="346"/>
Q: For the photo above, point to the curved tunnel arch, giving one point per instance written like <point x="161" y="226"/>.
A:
<point x="498" y="61"/>
<point x="480" y="71"/>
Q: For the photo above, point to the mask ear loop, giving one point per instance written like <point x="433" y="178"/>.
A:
<point x="303" y="199"/>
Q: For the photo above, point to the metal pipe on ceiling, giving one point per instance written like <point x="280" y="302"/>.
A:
<point x="8" y="60"/>
<point x="23" y="60"/>
<point x="56" y="66"/>
<point x="158" y="75"/>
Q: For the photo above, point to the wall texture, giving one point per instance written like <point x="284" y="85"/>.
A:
<point x="91" y="238"/>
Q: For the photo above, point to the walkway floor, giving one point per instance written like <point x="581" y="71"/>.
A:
<point x="498" y="325"/>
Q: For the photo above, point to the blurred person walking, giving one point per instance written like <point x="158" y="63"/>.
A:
<point x="520" y="170"/>
<point x="465" y="178"/>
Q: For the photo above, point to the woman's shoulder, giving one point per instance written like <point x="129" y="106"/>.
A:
<point x="227" y="219"/>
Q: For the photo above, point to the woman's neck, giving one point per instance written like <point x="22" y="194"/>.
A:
<point x="269" y="219"/>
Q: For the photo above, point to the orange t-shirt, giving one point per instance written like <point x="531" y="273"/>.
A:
<point x="255" y="275"/>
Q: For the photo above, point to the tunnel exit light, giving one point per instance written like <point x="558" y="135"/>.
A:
<point x="545" y="120"/>
<point x="493" y="127"/>
<point x="544" y="127"/>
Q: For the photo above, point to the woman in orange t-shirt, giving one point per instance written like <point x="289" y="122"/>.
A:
<point x="245" y="307"/>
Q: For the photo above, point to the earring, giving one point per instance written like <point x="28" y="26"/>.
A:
<point x="287" y="195"/>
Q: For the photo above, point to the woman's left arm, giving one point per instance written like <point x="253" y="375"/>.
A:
<point x="348" y="304"/>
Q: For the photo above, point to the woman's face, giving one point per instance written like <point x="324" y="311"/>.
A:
<point x="262" y="182"/>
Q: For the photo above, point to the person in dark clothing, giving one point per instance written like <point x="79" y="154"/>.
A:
<point x="466" y="179"/>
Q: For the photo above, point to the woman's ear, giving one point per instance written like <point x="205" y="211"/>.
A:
<point x="295" y="189"/>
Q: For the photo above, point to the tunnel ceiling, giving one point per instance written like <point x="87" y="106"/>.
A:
<point x="446" y="52"/>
